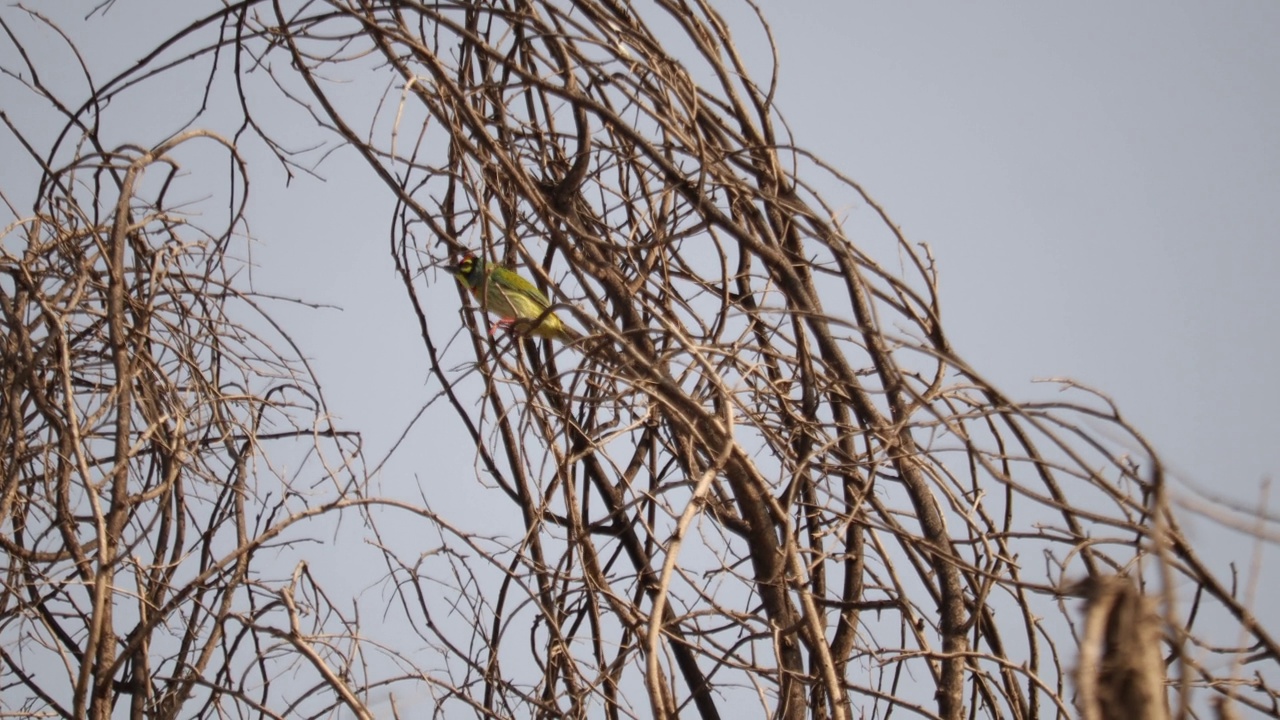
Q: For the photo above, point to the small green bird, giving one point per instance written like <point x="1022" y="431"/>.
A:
<point x="517" y="301"/>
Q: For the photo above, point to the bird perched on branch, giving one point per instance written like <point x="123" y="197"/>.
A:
<point x="519" y="303"/>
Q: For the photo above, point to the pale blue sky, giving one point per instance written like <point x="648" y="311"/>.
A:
<point x="1100" y="183"/>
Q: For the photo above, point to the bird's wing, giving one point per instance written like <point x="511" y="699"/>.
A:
<point x="510" y="281"/>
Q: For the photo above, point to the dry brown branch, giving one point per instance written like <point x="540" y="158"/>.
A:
<point x="764" y="485"/>
<point x="1121" y="673"/>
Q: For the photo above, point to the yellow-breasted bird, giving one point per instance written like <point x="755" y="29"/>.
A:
<point x="519" y="303"/>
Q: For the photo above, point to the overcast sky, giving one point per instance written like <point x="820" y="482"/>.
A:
<point x="1100" y="183"/>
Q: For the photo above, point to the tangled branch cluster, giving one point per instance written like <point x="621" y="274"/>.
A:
<point x="763" y="484"/>
<point x="137" y="402"/>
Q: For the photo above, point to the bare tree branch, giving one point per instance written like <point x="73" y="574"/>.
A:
<point x="763" y="483"/>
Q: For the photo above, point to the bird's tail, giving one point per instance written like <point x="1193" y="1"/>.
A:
<point x="568" y="335"/>
<point x="550" y="327"/>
